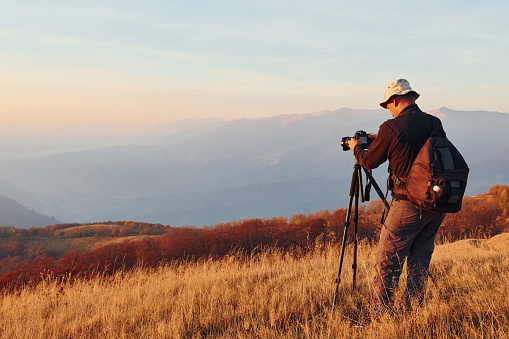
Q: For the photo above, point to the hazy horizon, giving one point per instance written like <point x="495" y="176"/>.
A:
<point x="114" y="131"/>
<point x="20" y="142"/>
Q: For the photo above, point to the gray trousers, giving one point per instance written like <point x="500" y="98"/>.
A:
<point x="407" y="234"/>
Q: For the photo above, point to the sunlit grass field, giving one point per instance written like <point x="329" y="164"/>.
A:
<point x="270" y="295"/>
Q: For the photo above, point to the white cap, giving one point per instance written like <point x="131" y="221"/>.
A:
<point x="397" y="87"/>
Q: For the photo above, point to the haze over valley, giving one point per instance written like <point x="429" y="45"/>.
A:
<point x="202" y="172"/>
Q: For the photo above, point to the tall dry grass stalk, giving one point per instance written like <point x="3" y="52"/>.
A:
<point x="272" y="295"/>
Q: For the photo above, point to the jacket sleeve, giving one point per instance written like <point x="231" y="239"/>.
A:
<point x="438" y="123"/>
<point x="378" y="152"/>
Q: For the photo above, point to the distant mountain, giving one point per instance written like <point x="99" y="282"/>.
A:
<point x="183" y="125"/>
<point x="14" y="214"/>
<point x="205" y="172"/>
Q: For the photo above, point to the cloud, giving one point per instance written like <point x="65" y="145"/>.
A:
<point x="170" y="54"/>
<point x="105" y="13"/>
<point x="57" y="40"/>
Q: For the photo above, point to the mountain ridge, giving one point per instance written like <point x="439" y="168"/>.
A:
<point x="225" y="168"/>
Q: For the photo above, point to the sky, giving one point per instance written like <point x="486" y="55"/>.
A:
<point x="136" y="64"/>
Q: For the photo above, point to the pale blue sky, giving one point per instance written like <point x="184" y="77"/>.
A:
<point x="139" y="63"/>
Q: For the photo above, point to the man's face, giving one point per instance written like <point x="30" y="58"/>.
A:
<point x="391" y="106"/>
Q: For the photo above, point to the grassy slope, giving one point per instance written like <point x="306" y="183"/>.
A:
<point x="273" y="295"/>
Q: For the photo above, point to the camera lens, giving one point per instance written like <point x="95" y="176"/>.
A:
<point x="344" y="143"/>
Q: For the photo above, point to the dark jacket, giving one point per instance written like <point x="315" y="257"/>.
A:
<point x="399" y="140"/>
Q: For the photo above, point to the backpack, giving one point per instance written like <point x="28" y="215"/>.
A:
<point x="438" y="176"/>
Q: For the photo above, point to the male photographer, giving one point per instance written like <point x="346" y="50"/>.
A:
<point x="408" y="232"/>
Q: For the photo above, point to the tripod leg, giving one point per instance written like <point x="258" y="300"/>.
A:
<point x="353" y="190"/>
<point x="356" y="223"/>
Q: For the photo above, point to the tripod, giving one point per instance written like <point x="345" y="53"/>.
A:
<point x="356" y="189"/>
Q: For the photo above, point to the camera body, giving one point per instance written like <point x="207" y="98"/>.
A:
<point x="365" y="140"/>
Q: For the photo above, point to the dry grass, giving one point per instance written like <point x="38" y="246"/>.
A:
<point x="273" y="295"/>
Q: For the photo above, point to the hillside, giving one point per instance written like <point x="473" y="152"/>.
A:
<point x="14" y="214"/>
<point x="61" y="238"/>
<point x="266" y="277"/>
<point x="270" y="295"/>
<point x="84" y="250"/>
<point x="206" y="172"/>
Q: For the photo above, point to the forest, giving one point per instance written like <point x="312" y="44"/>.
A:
<point x="27" y="263"/>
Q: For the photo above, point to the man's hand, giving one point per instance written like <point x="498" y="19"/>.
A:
<point x="352" y="143"/>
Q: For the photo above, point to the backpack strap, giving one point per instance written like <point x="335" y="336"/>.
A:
<point x="436" y="131"/>
<point x="399" y="184"/>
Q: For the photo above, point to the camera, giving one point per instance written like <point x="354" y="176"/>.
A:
<point x="365" y="140"/>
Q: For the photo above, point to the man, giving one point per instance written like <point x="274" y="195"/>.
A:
<point x="408" y="232"/>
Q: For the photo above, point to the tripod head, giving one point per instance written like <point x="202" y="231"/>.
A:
<point x="364" y="193"/>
